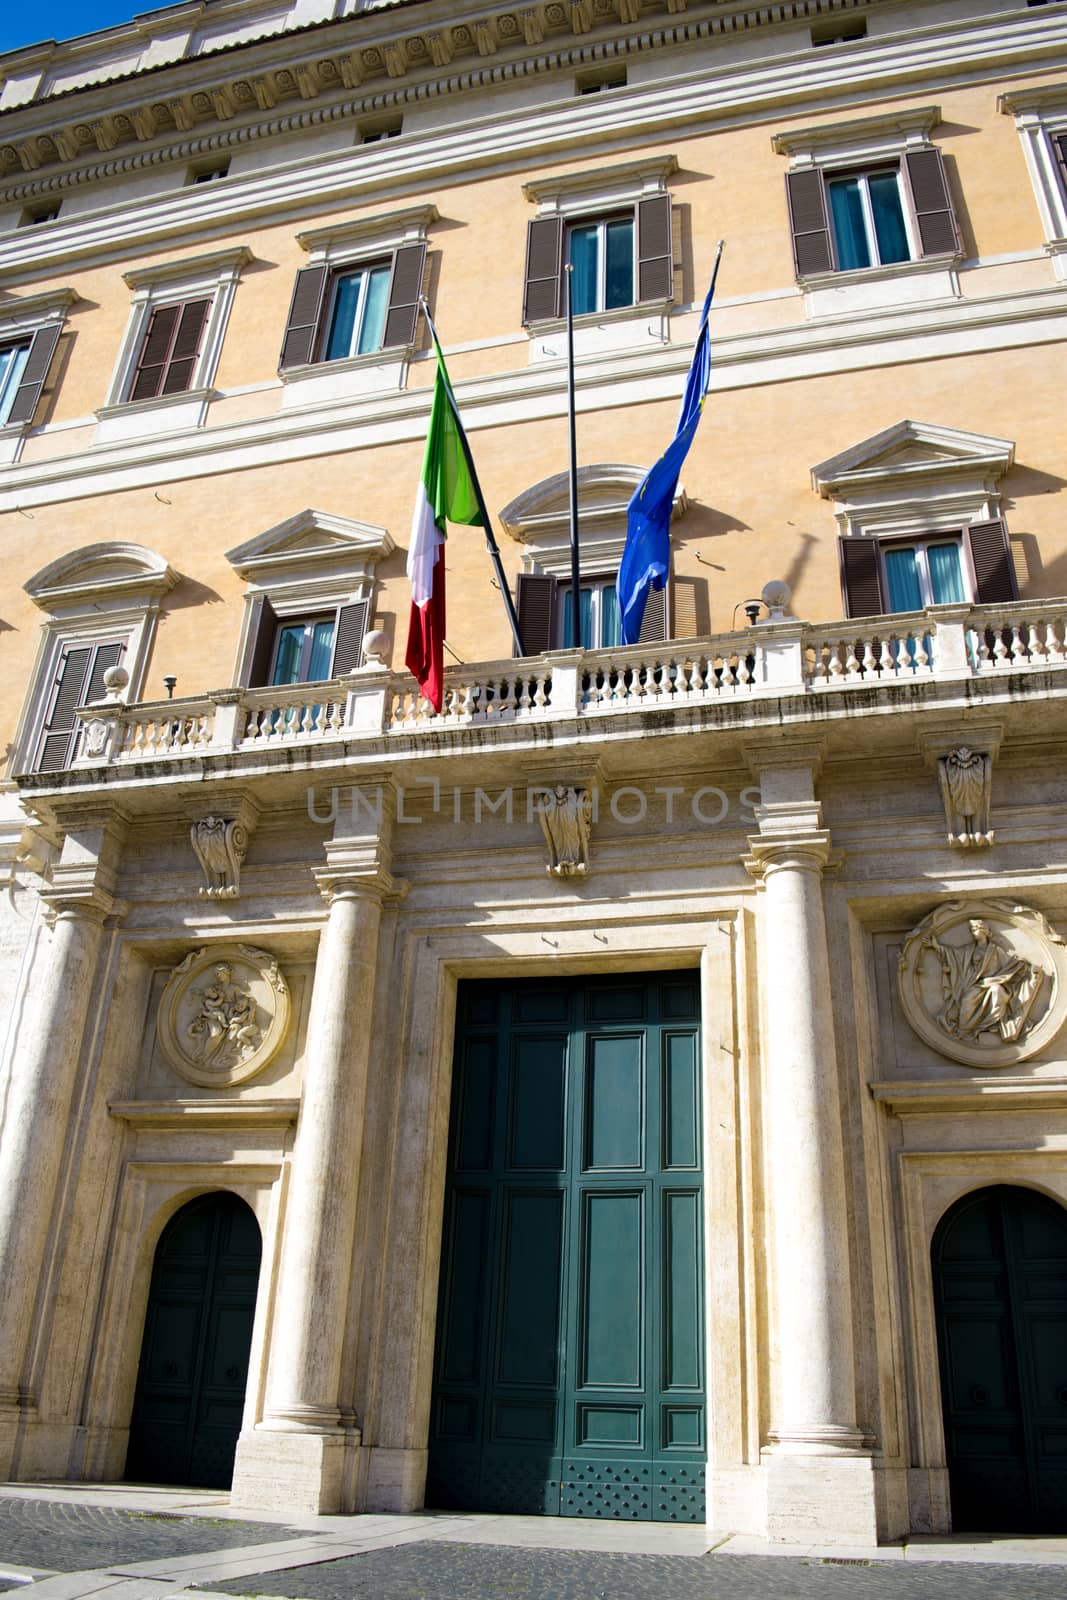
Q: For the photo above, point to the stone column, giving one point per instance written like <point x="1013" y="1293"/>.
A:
<point x="44" y="1074"/>
<point x="820" y="1482"/>
<point x="302" y="1455"/>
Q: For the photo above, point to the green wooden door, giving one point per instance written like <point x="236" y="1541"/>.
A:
<point x="1000" y="1285"/>
<point x="569" y="1372"/>
<point x="194" y="1355"/>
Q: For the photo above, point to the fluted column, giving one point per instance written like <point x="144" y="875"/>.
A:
<point x="814" y="1405"/>
<point x="35" y="1136"/>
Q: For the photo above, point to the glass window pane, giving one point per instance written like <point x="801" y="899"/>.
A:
<point x="372" y="331"/>
<point x="610" y="634"/>
<point x="12" y="363"/>
<point x="584" y="251"/>
<point x="850" y="233"/>
<point x="287" y="656"/>
<point x="946" y="576"/>
<point x="905" y="591"/>
<point x="345" y="312"/>
<point x="619" y="286"/>
<point x="321" y="651"/>
<point x="888" y="218"/>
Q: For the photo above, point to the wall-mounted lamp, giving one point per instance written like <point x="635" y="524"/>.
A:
<point x="170" y="683"/>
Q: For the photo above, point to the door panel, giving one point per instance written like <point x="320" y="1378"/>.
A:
<point x="1000" y="1284"/>
<point x="194" y="1354"/>
<point x="569" y="1369"/>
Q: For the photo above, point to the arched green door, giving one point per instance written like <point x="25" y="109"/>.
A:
<point x="1000" y="1288"/>
<point x="569" y="1375"/>
<point x="194" y="1355"/>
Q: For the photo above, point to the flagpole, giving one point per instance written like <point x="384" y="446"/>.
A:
<point x="576" y="593"/>
<point x="490" y="540"/>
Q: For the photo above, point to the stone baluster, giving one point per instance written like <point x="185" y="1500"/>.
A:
<point x="44" y="1075"/>
<point x="816" y="1457"/>
<point x="304" y="1424"/>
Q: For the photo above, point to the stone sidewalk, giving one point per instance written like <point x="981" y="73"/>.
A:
<point x="123" y="1542"/>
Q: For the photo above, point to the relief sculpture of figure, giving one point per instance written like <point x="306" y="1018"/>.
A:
<point x="966" y="778"/>
<point x="986" y="987"/>
<point x="224" y="1029"/>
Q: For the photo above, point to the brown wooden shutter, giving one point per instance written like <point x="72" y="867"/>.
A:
<point x="1059" y="146"/>
<point x="543" y="294"/>
<point x="536" y="594"/>
<point x="860" y="580"/>
<point x="305" y="312"/>
<point x="266" y="628"/>
<point x="655" y="265"/>
<point x="79" y="681"/>
<point x="405" y="287"/>
<point x="654" y="621"/>
<point x="155" y="348"/>
<point x="812" y="249"/>
<point x="34" y="373"/>
<point x="994" y="570"/>
<point x="348" y="640"/>
<point x="185" y="347"/>
<point x="925" y="172"/>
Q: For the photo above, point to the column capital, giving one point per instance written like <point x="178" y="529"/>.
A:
<point x="369" y="882"/>
<point x="776" y="849"/>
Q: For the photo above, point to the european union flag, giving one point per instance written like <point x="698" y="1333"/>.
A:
<point x="647" y="557"/>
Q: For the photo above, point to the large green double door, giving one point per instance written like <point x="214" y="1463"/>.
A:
<point x="569" y="1370"/>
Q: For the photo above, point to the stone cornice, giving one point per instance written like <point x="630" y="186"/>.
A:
<point x="188" y="267"/>
<point x="920" y="119"/>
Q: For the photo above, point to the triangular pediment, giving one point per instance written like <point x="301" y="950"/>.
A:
<point x="308" y="539"/>
<point x="910" y="450"/>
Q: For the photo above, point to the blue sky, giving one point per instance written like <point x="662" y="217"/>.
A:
<point x="22" y="22"/>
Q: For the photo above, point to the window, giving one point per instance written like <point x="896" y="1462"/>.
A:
<point x="867" y="195"/>
<point x="209" y="172"/>
<point x="172" y="343"/>
<point x="599" y="603"/>
<point x="375" y="132"/>
<point x="1041" y="118"/>
<point x="546" y="620"/>
<point x="927" y="573"/>
<point x="45" y="211"/>
<point x="614" y="227"/>
<point x="837" y="32"/>
<point x="308" y="606"/>
<point x="168" y="355"/>
<point x="102" y="602"/>
<point x="13" y="359"/>
<point x="973" y="565"/>
<point x="361" y="294"/>
<point x="597" y="82"/>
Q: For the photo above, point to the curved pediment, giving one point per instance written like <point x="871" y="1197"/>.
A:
<point x="114" y="570"/>
<point x="604" y="492"/>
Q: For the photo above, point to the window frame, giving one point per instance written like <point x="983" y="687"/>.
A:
<point x="1040" y="114"/>
<point x="39" y="321"/>
<point x="638" y="189"/>
<point x="211" y="277"/>
<point x="863" y="175"/>
<point x="339" y="252"/>
<point x="97" y="595"/>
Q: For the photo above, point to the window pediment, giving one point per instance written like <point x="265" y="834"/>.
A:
<point x="311" y="546"/>
<point x="116" y="571"/>
<point x="540" y="517"/>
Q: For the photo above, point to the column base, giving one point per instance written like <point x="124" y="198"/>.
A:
<point x="313" y="1473"/>
<point x="831" y="1498"/>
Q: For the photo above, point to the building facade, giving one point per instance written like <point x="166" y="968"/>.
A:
<point x="640" y="1089"/>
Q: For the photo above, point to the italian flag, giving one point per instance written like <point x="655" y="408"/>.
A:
<point x="446" y="493"/>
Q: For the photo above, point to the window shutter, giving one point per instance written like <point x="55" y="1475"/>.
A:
<point x="405" y="287"/>
<point x="348" y="644"/>
<point x="536" y="607"/>
<point x="812" y="250"/>
<point x="860" y="579"/>
<point x="107" y="656"/>
<point x="925" y="171"/>
<point x="543" y="294"/>
<point x="186" y="347"/>
<point x="60" y="723"/>
<point x="34" y="373"/>
<point x="266" y="626"/>
<point x="655" y="266"/>
<point x="1059" y="147"/>
<point x="994" y="570"/>
<point x="305" y="311"/>
<point x="152" y="361"/>
<point x="654" y="621"/>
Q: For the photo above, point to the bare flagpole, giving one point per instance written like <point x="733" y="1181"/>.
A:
<point x="576" y="594"/>
<point x="487" y="527"/>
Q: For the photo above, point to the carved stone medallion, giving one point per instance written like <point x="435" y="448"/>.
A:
<point x="984" y="982"/>
<point x="223" y="1014"/>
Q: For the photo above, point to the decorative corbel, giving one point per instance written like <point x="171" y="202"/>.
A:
<point x="220" y="844"/>
<point x="566" y="814"/>
<point x="964" y="759"/>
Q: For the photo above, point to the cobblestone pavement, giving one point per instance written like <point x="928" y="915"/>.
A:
<point x="434" y="1571"/>
<point x="61" y="1537"/>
